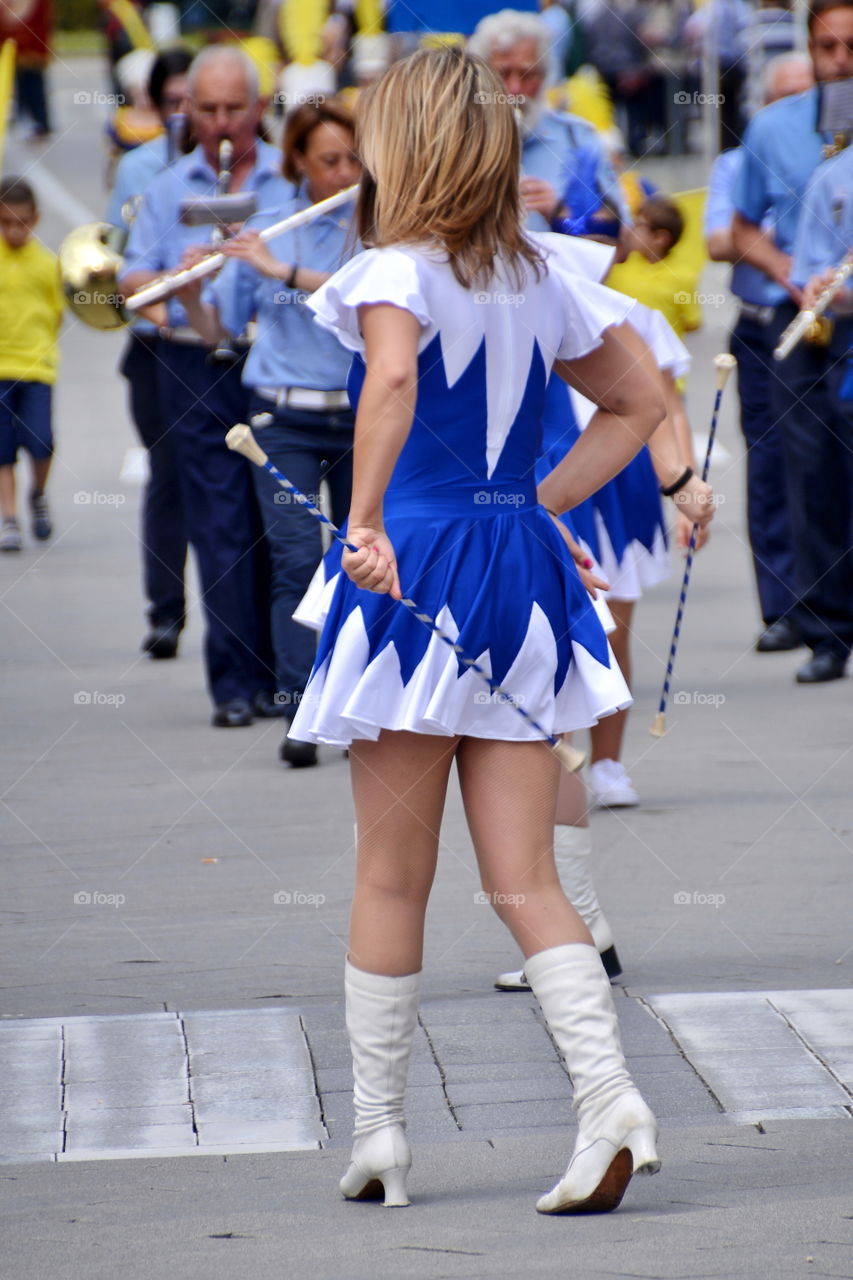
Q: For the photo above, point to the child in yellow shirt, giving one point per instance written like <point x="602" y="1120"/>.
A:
<point x="647" y="275"/>
<point x="31" y="304"/>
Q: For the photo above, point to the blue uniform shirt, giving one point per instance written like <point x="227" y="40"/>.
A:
<point x="290" y="349"/>
<point x="781" y="150"/>
<point x="158" y="238"/>
<point x="747" y="282"/>
<point x="134" y="172"/>
<point x="567" y="152"/>
<point x="825" y="233"/>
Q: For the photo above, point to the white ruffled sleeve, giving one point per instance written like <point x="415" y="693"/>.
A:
<point x="376" y="275"/>
<point x="580" y="257"/>
<point x="586" y="307"/>
<point x="667" y="348"/>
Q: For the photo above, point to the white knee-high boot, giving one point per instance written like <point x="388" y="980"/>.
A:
<point x="573" y="854"/>
<point x="382" y="1014"/>
<point x="616" y="1129"/>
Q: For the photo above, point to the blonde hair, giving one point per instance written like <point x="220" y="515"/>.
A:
<point x="441" y="153"/>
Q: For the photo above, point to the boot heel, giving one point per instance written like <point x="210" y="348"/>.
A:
<point x="641" y="1143"/>
<point x="394" y="1182"/>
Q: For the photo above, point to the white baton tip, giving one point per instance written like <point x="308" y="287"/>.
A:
<point x="723" y="363"/>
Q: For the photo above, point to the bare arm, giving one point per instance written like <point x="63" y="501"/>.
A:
<point x="386" y="408"/>
<point x="754" y="246"/>
<point x="720" y="245"/>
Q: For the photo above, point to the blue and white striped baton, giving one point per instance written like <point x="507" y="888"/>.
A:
<point x="723" y="364"/>
<point x="241" y="440"/>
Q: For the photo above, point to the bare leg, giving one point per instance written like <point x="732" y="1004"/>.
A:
<point x="41" y="470"/>
<point x="7" y="492"/>
<point x="399" y="785"/>
<point x="510" y="792"/>
<point x="606" y="736"/>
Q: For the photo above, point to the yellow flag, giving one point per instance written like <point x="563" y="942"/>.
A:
<point x="7" y="84"/>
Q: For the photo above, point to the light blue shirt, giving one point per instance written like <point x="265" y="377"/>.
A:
<point x="825" y="233"/>
<point x="134" y="172"/>
<point x="747" y="282"/>
<point x="781" y="150"/>
<point x="158" y="238"/>
<point x="548" y="153"/>
<point x="290" y="349"/>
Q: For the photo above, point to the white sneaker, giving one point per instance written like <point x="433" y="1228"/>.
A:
<point x="610" y="786"/>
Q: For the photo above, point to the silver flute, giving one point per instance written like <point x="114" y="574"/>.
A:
<point x="800" y="325"/>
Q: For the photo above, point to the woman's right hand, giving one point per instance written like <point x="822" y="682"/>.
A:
<point x="374" y="566"/>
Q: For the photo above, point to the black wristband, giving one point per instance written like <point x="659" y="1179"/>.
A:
<point x="670" y="489"/>
<point x="290" y="282"/>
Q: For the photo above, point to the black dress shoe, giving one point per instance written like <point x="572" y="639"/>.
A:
<point x="822" y="665"/>
<point x="778" y="636"/>
<point x="232" y="715"/>
<point x="270" y="705"/>
<point x="300" y="755"/>
<point x="162" y="641"/>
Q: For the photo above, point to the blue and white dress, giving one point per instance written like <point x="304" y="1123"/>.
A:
<point x="473" y="547"/>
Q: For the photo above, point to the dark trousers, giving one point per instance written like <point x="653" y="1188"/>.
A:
<point x="768" y="517"/>
<point x="817" y="436"/>
<point x="32" y="96"/>
<point x="164" y="535"/>
<point x="308" y="447"/>
<point x="202" y="402"/>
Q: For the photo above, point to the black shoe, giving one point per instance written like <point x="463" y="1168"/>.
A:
<point x="268" y="705"/>
<point x="300" y="755"/>
<point x="232" y="715"/>
<point x="778" y="636"/>
<point x="162" y="641"/>
<point x="821" y="666"/>
<point x="610" y="960"/>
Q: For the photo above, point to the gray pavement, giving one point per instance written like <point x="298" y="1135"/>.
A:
<point x="160" y="874"/>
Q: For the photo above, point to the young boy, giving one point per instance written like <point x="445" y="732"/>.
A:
<point x="650" y="274"/>
<point x="31" y="303"/>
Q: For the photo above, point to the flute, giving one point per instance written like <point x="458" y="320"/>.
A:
<point x="166" y="285"/>
<point x="801" y="323"/>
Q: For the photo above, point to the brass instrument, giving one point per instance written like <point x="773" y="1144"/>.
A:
<point x="90" y="263"/>
<point x="810" y="319"/>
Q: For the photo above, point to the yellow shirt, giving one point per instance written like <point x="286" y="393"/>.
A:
<point x="661" y="286"/>
<point x="31" y="305"/>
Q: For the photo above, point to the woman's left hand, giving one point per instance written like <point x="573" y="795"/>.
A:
<point x="249" y="247"/>
<point x="374" y="566"/>
<point x="583" y="564"/>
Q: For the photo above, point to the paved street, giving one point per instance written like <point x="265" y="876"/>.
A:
<point x="175" y="910"/>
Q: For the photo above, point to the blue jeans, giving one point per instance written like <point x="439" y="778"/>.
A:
<point x="307" y="447"/>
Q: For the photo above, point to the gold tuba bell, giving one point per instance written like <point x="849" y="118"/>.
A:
<point x="89" y="262"/>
